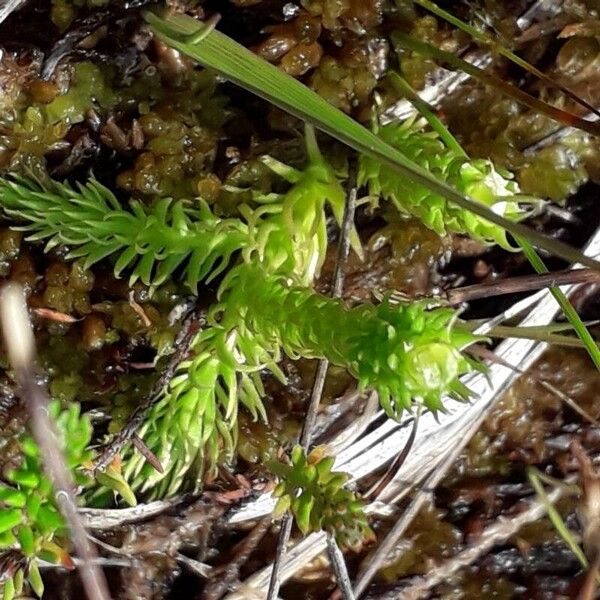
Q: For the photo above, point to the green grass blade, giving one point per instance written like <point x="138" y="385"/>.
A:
<point x="218" y="52"/>
<point x="448" y="59"/>
<point x="578" y="325"/>
<point x="555" y="517"/>
<point x="401" y="85"/>
<point x="524" y="333"/>
<point x="495" y="45"/>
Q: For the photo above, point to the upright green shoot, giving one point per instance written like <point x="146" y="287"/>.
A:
<point x="220" y="53"/>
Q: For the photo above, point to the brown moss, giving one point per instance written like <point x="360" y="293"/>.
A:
<point x="528" y="415"/>
<point x="422" y="546"/>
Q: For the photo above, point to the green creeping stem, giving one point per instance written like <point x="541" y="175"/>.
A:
<point x="151" y="242"/>
<point x="477" y="179"/>
<point x="407" y="353"/>
<point x="265" y="308"/>
<point x="195" y="422"/>
<point x="286" y="233"/>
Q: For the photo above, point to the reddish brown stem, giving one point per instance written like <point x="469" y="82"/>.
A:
<point x="525" y="283"/>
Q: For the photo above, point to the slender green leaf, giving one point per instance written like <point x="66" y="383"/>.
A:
<point x="584" y="335"/>
<point x="9" y="519"/>
<point x="484" y="38"/>
<point x="218" y="52"/>
<point x="401" y="85"/>
<point x="27" y="540"/>
<point x="529" y="333"/>
<point x="555" y="517"/>
<point x="115" y="481"/>
<point x="35" y="578"/>
<point x="8" y="592"/>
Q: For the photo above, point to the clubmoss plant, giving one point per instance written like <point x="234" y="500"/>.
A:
<point x="319" y="499"/>
<point x="476" y="178"/>
<point x="265" y="308"/>
<point x="30" y="522"/>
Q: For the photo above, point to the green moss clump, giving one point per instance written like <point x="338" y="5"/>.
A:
<point x="64" y="12"/>
<point x="42" y="117"/>
<point x="90" y="87"/>
<point x="30" y="521"/>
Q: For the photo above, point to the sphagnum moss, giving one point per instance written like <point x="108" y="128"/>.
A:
<point x="269" y="256"/>
<point x="265" y="307"/>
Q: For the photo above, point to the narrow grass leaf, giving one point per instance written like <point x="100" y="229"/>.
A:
<point x="220" y="53"/>
<point x="578" y="325"/>
<point x="555" y="518"/>
<point x="501" y="49"/>
<point x="450" y="60"/>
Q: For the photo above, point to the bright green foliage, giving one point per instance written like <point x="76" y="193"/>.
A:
<point x="287" y="233"/>
<point x="318" y="498"/>
<point x="195" y="423"/>
<point x="30" y="521"/>
<point x="290" y="231"/>
<point x="405" y="352"/>
<point x="475" y="178"/>
<point x="151" y="242"/>
<point x="265" y="308"/>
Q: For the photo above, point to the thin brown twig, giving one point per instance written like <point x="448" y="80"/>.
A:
<point x="341" y="574"/>
<point x="230" y="573"/>
<point x="500" y="47"/>
<point x="20" y="343"/>
<point x="318" y="385"/>
<point x="187" y="334"/>
<point x="447" y="59"/>
<point x="280" y="552"/>
<point x="503" y="529"/>
<point x="393" y="469"/>
<point x="525" y="283"/>
<point x="101" y="561"/>
<point x="195" y="566"/>
<point x="543" y="28"/>
<point x="143" y="449"/>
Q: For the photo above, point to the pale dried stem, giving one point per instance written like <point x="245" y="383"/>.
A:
<point x="20" y="343"/>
